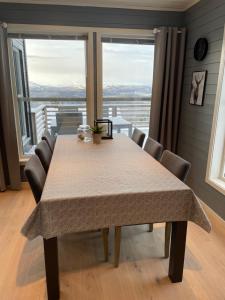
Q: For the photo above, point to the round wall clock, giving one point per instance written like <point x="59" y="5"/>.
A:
<point x="201" y="49"/>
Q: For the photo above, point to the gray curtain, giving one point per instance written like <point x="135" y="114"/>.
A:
<point x="167" y="86"/>
<point x="9" y="159"/>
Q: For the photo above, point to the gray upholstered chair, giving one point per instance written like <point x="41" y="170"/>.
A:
<point x="68" y="122"/>
<point x="46" y="136"/>
<point x="180" y="168"/>
<point x="36" y="176"/>
<point x="154" y="148"/>
<point x="175" y="164"/>
<point x="44" y="153"/>
<point x="138" y="137"/>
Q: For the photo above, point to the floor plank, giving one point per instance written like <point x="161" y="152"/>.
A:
<point x="84" y="275"/>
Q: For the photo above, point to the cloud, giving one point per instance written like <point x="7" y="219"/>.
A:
<point x="56" y="63"/>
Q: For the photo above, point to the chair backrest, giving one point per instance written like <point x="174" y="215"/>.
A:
<point x="153" y="148"/>
<point x="36" y="176"/>
<point x="46" y="136"/>
<point x="138" y="137"/>
<point x="175" y="164"/>
<point x="44" y="153"/>
<point x="68" y="122"/>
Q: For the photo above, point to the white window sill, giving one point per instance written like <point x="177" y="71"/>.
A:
<point x="217" y="184"/>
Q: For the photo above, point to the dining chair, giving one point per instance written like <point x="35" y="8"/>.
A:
<point x="155" y="149"/>
<point x="46" y="136"/>
<point x="180" y="168"/>
<point x="138" y="137"/>
<point x="44" y="153"/>
<point x="36" y="176"/>
<point x="68" y="122"/>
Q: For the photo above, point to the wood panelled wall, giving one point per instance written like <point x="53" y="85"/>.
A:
<point x="205" y="19"/>
<point x="88" y="16"/>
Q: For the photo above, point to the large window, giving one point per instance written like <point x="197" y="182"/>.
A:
<point x="63" y="77"/>
<point x="127" y="83"/>
<point x="216" y="161"/>
<point x="56" y="80"/>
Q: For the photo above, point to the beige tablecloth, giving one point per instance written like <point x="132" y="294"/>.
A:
<point x="115" y="183"/>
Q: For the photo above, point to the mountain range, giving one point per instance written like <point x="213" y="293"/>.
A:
<point x="44" y="91"/>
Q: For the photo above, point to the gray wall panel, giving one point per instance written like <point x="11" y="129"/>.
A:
<point x="205" y="19"/>
<point x="87" y="16"/>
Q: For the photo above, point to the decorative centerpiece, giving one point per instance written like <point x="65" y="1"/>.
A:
<point x="97" y="132"/>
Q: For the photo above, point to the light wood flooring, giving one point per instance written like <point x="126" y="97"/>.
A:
<point x="142" y="274"/>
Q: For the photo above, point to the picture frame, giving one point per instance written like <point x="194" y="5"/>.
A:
<point x="198" y="85"/>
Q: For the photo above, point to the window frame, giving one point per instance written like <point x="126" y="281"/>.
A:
<point x="113" y="33"/>
<point x="94" y="65"/>
<point x="216" y="156"/>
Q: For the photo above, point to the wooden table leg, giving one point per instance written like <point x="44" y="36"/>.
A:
<point x="168" y="230"/>
<point x="105" y="237"/>
<point x="51" y="268"/>
<point x="117" y="240"/>
<point x="150" y="227"/>
<point x="177" y="251"/>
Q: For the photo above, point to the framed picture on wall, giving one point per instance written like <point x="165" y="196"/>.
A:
<point x="198" y="88"/>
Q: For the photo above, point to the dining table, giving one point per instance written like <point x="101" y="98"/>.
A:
<point x="114" y="183"/>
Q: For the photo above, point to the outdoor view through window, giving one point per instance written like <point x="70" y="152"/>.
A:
<point x="127" y="85"/>
<point x="52" y="77"/>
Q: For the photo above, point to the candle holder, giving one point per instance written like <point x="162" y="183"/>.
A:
<point x="108" y="128"/>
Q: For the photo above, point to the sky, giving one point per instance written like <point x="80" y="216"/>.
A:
<point x="62" y="63"/>
<point x="127" y="64"/>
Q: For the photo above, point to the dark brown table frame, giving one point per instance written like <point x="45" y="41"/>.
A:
<point x="176" y="263"/>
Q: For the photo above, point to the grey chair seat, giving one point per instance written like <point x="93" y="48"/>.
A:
<point x="46" y="136"/>
<point x="138" y="137"/>
<point x="68" y="122"/>
<point x="153" y="148"/>
<point x="180" y="168"/>
<point x="36" y="176"/>
<point x="44" y="153"/>
<point x="175" y="164"/>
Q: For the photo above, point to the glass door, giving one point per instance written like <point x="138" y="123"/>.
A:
<point x="56" y="76"/>
<point x="127" y="71"/>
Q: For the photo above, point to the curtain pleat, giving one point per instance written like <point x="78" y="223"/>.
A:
<point x="9" y="158"/>
<point x="167" y="86"/>
<point x="2" y="175"/>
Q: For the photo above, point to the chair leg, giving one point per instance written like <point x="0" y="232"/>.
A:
<point x="117" y="239"/>
<point x="150" y="228"/>
<point x="168" y="230"/>
<point x="105" y="237"/>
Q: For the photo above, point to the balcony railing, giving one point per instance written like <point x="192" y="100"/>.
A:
<point x="135" y="110"/>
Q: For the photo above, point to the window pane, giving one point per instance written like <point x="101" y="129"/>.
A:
<point x="127" y="85"/>
<point x="56" y="75"/>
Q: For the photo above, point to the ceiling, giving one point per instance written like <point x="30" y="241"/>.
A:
<point x="173" y="5"/>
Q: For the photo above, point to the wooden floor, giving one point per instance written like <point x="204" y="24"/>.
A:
<point x="142" y="273"/>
